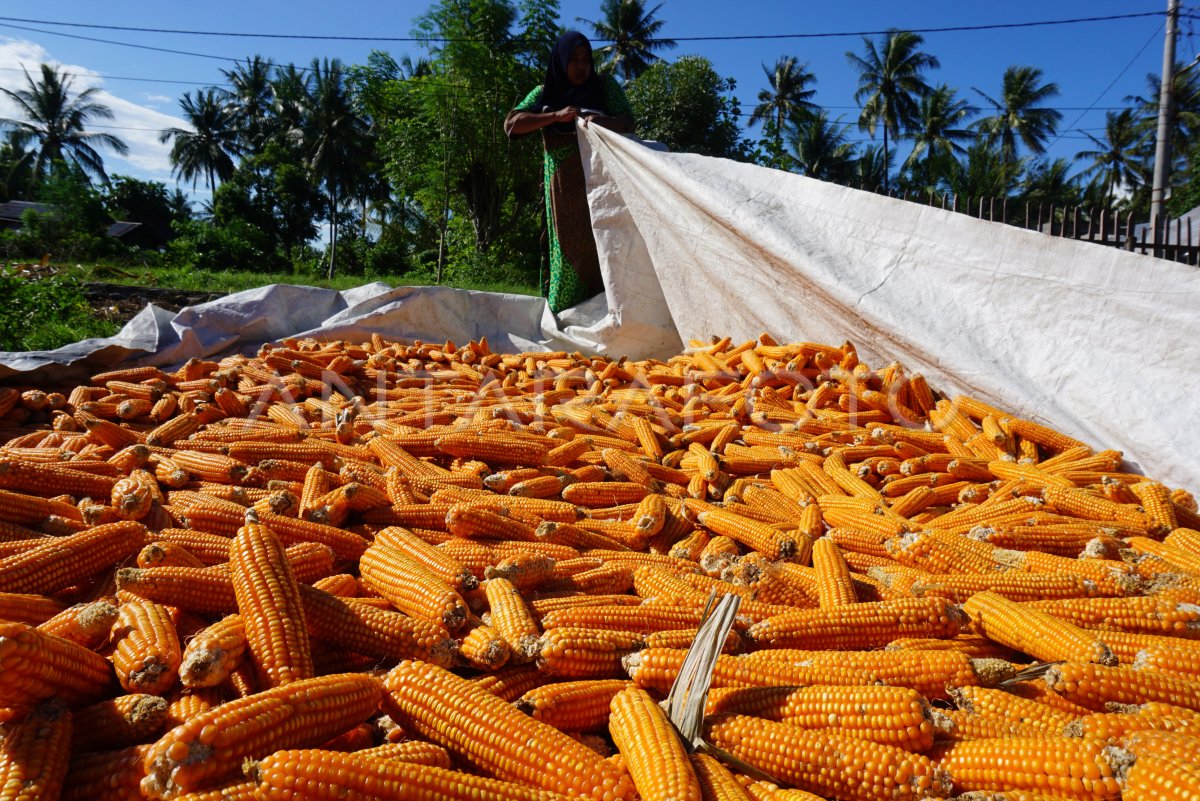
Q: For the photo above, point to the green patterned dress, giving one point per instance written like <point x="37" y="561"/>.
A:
<point x="574" y="266"/>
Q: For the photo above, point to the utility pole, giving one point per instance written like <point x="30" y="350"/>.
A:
<point x="1162" y="145"/>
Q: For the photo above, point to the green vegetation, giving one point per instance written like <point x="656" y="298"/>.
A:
<point x="45" y="313"/>
<point x="228" y="281"/>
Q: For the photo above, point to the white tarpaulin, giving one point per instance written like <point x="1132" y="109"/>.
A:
<point x="1099" y="343"/>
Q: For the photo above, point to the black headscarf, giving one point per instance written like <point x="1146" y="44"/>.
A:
<point x="558" y="91"/>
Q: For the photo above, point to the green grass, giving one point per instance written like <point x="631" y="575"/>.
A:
<point x="239" y="280"/>
<point x="50" y="311"/>
<point x="46" y="313"/>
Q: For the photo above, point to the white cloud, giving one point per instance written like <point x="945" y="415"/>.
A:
<point x="138" y="125"/>
<point x="157" y="99"/>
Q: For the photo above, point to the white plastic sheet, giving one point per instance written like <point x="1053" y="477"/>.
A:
<point x="1102" y="344"/>
<point x="1099" y="343"/>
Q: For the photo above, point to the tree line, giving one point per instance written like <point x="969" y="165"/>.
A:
<point x="405" y="164"/>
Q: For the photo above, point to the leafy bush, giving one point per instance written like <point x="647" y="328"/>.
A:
<point x="45" y="313"/>
<point x="233" y="246"/>
<point x="360" y="256"/>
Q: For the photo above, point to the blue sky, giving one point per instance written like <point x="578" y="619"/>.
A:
<point x="1084" y="59"/>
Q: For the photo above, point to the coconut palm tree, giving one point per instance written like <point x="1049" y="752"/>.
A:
<point x="871" y="168"/>
<point x="789" y="95"/>
<point x="982" y="171"/>
<point x="1050" y="182"/>
<point x="251" y="95"/>
<point x="1020" y="113"/>
<point x="938" y="134"/>
<point x="789" y="92"/>
<point x="208" y="149"/>
<point x="891" y="81"/>
<point x="56" y="121"/>
<point x="1184" y="119"/>
<point x="1119" y="158"/>
<point x="291" y="87"/>
<point x="335" y="140"/>
<point x="819" y="147"/>
<point x="632" y="32"/>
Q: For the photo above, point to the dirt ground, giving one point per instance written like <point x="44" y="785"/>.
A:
<point x="120" y="302"/>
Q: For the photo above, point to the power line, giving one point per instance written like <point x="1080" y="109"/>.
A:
<point x="1112" y="83"/>
<point x="98" y="76"/>
<point x="225" y="84"/>
<point x="122" y="44"/>
<point x="743" y="37"/>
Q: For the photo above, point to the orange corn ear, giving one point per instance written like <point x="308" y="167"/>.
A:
<point x="118" y="722"/>
<point x="83" y="624"/>
<point x="411" y="587"/>
<point x="484" y="649"/>
<point x="35" y="666"/>
<point x="213" y="653"/>
<point x="585" y="653"/>
<point x="653" y="751"/>
<point x="51" y="480"/>
<point x="526" y="571"/>
<point x="657" y="668"/>
<point x="29" y="608"/>
<point x="1169" y="744"/>
<point x="510" y="682"/>
<point x="377" y="633"/>
<point x="891" y="715"/>
<point x="1036" y="633"/>
<point x="990" y="702"/>
<point x="131" y="498"/>
<point x="828" y="764"/>
<point x="332" y="776"/>
<point x="1072" y="767"/>
<point x="211" y="746"/>
<point x="105" y="775"/>
<point x="167" y="553"/>
<point x="437" y="561"/>
<point x="511" y="617"/>
<point x="204" y="590"/>
<point x="865" y="625"/>
<point x="754" y="535"/>
<point x="269" y="602"/>
<point x="576" y="706"/>
<point x="494" y="736"/>
<point x="650" y="516"/>
<point x="834" y="584"/>
<point x="494" y="449"/>
<point x="1094" y="686"/>
<point x="1154" y="778"/>
<point x="148" y="652"/>
<point x="927" y="672"/>
<point x="716" y="781"/>
<point x="35" y="752"/>
<point x="69" y="560"/>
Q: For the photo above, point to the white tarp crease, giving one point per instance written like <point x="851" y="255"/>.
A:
<point x="1099" y="343"/>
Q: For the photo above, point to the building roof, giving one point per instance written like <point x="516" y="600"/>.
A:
<point x="13" y="209"/>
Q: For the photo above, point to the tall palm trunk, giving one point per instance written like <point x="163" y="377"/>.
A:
<point x="333" y="228"/>
<point x="886" y="177"/>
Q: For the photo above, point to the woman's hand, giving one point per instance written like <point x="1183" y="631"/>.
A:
<point x="567" y="114"/>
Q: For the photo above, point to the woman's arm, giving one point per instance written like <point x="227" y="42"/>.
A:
<point x="523" y="122"/>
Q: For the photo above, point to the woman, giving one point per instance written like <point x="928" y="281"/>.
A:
<point x="572" y="89"/>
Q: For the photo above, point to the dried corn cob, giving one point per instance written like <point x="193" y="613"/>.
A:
<point x="210" y="746"/>
<point x="268" y="601"/>
<point x="449" y="711"/>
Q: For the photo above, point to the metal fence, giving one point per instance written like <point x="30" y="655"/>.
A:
<point x="1177" y="240"/>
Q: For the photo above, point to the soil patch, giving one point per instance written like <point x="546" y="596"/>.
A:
<point x="120" y="302"/>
